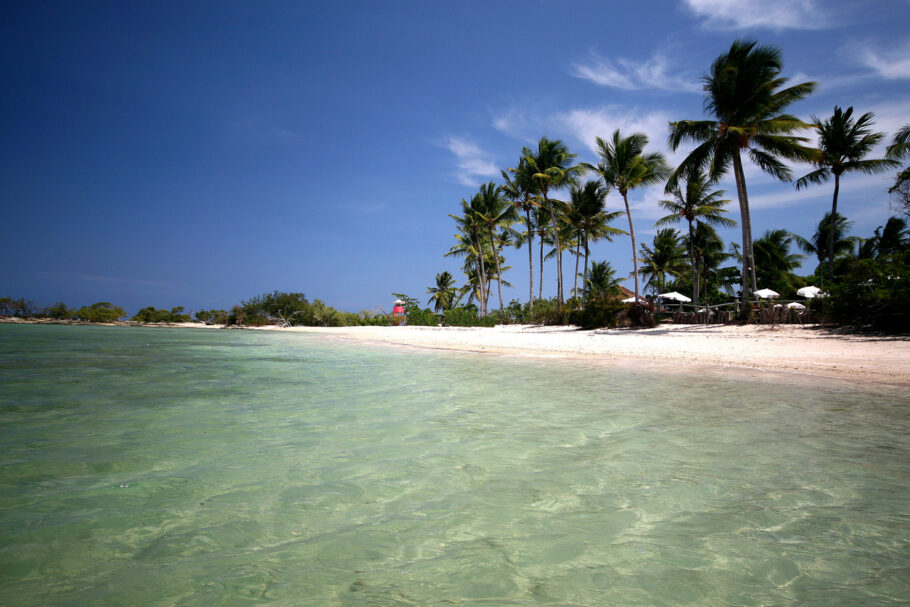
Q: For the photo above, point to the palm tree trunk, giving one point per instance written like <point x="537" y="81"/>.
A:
<point x="558" y="250"/>
<point x="577" y="259"/>
<point x="584" y="282"/>
<point x="540" y="286"/>
<point x="498" y="271"/>
<point x="692" y="261"/>
<point x="831" y="228"/>
<point x="530" y="258"/>
<point x="634" y="245"/>
<point x="482" y="279"/>
<point x="748" y="272"/>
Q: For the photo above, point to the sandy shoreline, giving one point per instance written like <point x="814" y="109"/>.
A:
<point x="783" y="348"/>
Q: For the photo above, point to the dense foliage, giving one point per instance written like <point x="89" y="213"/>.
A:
<point x="152" y="315"/>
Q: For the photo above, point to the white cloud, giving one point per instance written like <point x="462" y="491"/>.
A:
<point x="474" y="165"/>
<point x="772" y="14"/>
<point x="655" y="73"/>
<point x="588" y="124"/>
<point x="892" y="64"/>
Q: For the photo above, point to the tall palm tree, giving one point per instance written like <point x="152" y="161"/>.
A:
<point x="590" y="219"/>
<point x="695" y="203"/>
<point x="818" y="245"/>
<point x="543" y="229"/>
<point x="471" y="245"/>
<point x="625" y="166"/>
<point x="493" y="212"/>
<point x="842" y="144"/>
<point x="744" y="96"/>
<point x="666" y="256"/>
<point x="551" y="169"/>
<point x="520" y="189"/>
<point x="601" y="282"/>
<point x="444" y="294"/>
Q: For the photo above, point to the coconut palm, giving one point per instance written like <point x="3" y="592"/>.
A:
<point x="708" y="250"/>
<point x="842" y="145"/>
<point x="551" y="168"/>
<point x="666" y="256"/>
<point x="818" y="245"/>
<point x="471" y="245"/>
<point x="444" y="294"/>
<point x="891" y="238"/>
<point x="899" y="148"/>
<point x="900" y="145"/>
<point x="493" y="212"/>
<point x="590" y="220"/>
<point x="775" y="270"/>
<point x="520" y="189"/>
<point x="744" y="96"/>
<point x="695" y="203"/>
<point x="601" y="282"/>
<point x="625" y="166"/>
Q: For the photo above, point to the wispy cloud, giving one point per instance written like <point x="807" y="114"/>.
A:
<point x="770" y="14"/>
<point x="654" y="73"/>
<point x="892" y="64"/>
<point x="474" y="165"/>
<point x="588" y="124"/>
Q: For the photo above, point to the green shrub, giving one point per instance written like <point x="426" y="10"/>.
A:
<point x="212" y="317"/>
<point x="59" y="311"/>
<point x="100" y="312"/>
<point x="872" y="294"/>
<point x="547" y="312"/>
<point x="462" y="316"/>
<point x="597" y="313"/>
<point x="150" y="314"/>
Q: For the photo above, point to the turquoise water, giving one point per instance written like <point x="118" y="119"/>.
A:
<point x="204" y="467"/>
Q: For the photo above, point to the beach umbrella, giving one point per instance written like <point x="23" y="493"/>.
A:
<point x="631" y="299"/>
<point x="674" y="296"/>
<point x="766" y="294"/>
<point x="808" y="292"/>
<point x="795" y="305"/>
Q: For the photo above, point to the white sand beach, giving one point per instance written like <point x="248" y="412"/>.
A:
<point x="783" y="348"/>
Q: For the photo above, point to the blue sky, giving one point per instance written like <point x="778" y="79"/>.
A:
<point x="198" y="153"/>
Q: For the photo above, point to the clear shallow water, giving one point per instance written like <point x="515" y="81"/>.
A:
<point x="196" y="467"/>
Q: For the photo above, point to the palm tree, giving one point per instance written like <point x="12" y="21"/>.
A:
<point x="444" y="293"/>
<point x="520" y="189"/>
<point x="891" y="238"/>
<point x="625" y="166"/>
<point x="666" y="256"/>
<point x="493" y="211"/>
<point x="696" y="203"/>
<point x="551" y="169"/>
<point x="899" y="148"/>
<point x="543" y="229"/>
<point x="818" y="245"/>
<point x="589" y="218"/>
<point x="601" y="282"/>
<point x="708" y="249"/>
<point x="900" y="145"/>
<point x="743" y="94"/>
<point x="777" y="263"/>
<point x="842" y="144"/>
<point x="470" y="245"/>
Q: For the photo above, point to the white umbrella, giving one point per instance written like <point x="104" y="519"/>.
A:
<point x="631" y="299"/>
<point x="766" y="293"/>
<point x="795" y="305"/>
<point x="808" y="292"/>
<point x="674" y="296"/>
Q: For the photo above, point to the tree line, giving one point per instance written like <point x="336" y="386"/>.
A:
<point x="745" y="99"/>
